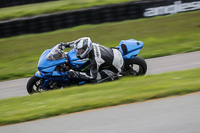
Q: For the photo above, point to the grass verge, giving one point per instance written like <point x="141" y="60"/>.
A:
<point x="51" y="7"/>
<point x="80" y="98"/>
<point x="163" y="35"/>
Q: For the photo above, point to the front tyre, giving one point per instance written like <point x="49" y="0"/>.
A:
<point x="34" y="85"/>
<point x="136" y="66"/>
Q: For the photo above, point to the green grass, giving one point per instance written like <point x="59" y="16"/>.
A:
<point x="164" y="35"/>
<point x="80" y="98"/>
<point x="51" y="7"/>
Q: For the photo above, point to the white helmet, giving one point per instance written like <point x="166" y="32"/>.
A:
<point x="84" y="46"/>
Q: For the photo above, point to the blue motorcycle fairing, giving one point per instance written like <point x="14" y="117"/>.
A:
<point x="44" y="54"/>
<point x="47" y="65"/>
<point x="47" y="68"/>
<point x="133" y="48"/>
<point x="39" y="74"/>
<point x="58" y="73"/>
<point x="56" y="76"/>
<point x="72" y="55"/>
<point x="132" y="54"/>
<point x="76" y="62"/>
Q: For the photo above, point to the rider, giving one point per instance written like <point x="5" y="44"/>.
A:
<point x="105" y="63"/>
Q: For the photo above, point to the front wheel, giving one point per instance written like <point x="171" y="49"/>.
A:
<point x="34" y="85"/>
<point x="136" y="66"/>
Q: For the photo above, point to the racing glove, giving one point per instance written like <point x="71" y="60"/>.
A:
<point x="66" y="45"/>
<point x="73" y="74"/>
<point x="61" y="46"/>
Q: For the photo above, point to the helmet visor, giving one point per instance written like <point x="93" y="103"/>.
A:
<point x="80" y="52"/>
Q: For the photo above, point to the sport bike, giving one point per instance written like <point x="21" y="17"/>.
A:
<point x="54" y="64"/>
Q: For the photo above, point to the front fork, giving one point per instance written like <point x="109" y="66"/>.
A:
<point x="46" y="81"/>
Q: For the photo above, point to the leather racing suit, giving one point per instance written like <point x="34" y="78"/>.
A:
<point x="104" y="63"/>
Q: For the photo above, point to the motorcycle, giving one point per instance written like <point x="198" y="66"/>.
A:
<point x="54" y="64"/>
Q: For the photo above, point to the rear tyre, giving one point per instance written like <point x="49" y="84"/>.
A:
<point x="136" y="66"/>
<point x="34" y="85"/>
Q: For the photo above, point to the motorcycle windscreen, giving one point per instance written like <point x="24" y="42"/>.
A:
<point x="55" y="54"/>
<point x="46" y="65"/>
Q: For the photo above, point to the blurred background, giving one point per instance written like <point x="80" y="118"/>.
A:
<point x="27" y="28"/>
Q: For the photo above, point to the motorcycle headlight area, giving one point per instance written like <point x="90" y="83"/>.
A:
<point x="38" y="73"/>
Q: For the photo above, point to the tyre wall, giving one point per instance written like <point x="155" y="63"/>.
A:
<point x="95" y="15"/>
<point x="7" y="3"/>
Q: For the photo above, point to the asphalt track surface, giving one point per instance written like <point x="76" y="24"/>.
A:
<point x="168" y="115"/>
<point x="14" y="88"/>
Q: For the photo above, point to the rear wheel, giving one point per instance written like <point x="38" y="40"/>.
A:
<point x="35" y="85"/>
<point x="135" y="66"/>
